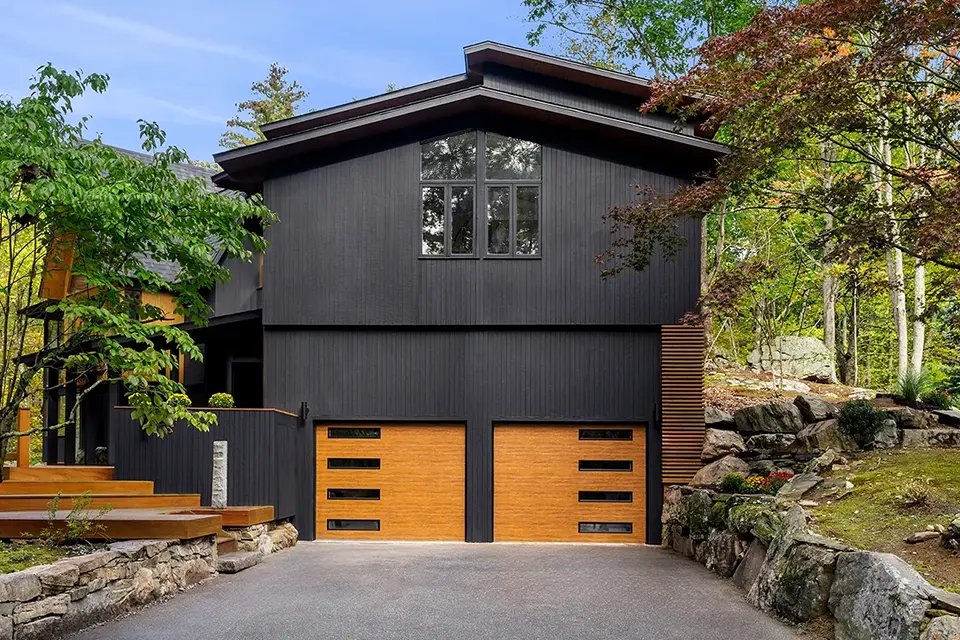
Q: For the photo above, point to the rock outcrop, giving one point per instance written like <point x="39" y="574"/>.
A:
<point x="797" y="356"/>
<point x="712" y="474"/>
<point x="718" y="443"/>
<point x="780" y="417"/>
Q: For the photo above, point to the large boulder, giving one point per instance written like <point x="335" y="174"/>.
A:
<point x="824" y="435"/>
<point x="942" y="628"/>
<point x="749" y="568"/>
<point x="796" y="356"/>
<point x="813" y="408"/>
<point x="771" y="443"/>
<point x="877" y="596"/>
<point x="712" y="474"/>
<point x="797" y="486"/>
<point x="718" y="443"/>
<point x="721" y="552"/>
<point x="908" y="418"/>
<point x="779" y="417"/>
<point x="924" y="438"/>
<point x="888" y="437"/>
<point x="796" y="575"/>
<point x="949" y="417"/>
<point x="714" y="418"/>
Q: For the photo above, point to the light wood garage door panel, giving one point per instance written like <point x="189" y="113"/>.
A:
<point x="537" y="483"/>
<point x="420" y="479"/>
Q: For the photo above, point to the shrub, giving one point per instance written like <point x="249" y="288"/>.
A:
<point x="916" y="493"/>
<point x="733" y="483"/>
<point x="777" y="479"/>
<point x="221" y="401"/>
<point x="938" y="399"/>
<point x="860" y="421"/>
<point x="951" y="383"/>
<point x="180" y="400"/>
<point x="79" y="523"/>
<point x="912" y="386"/>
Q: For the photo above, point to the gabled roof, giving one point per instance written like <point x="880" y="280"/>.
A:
<point x="245" y="168"/>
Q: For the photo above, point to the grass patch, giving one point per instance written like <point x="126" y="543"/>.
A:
<point x="882" y="510"/>
<point x="16" y="557"/>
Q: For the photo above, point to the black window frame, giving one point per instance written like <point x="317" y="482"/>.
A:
<point x="627" y="526"/>
<point x="480" y="186"/>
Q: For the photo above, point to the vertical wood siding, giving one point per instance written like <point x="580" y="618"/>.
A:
<point x="345" y="252"/>
<point x="555" y="91"/>
<point x="681" y="387"/>
<point x="463" y="376"/>
<point x="261" y="466"/>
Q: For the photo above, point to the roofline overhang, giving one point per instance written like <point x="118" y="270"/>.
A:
<point x="247" y="165"/>
<point x="477" y="55"/>
<point x="365" y="106"/>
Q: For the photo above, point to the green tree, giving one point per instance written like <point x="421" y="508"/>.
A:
<point x="60" y="195"/>
<point x="846" y="116"/>
<point x="637" y="36"/>
<point x="276" y="99"/>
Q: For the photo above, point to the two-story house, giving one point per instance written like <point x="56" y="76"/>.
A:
<point x="431" y="293"/>
<point x="431" y="307"/>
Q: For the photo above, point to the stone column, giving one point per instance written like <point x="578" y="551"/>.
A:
<point x="218" y="499"/>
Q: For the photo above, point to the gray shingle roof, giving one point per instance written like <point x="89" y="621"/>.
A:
<point x="167" y="269"/>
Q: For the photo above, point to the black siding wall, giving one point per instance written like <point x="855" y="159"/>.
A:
<point x="262" y="446"/>
<point x="345" y="252"/>
<point x="477" y="377"/>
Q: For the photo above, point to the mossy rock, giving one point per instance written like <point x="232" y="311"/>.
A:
<point x="718" y="515"/>
<point x="699" y="507"/>
<point x="758" y="520"/>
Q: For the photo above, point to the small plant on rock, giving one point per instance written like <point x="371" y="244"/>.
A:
<point x="733" y="483"/>
<point x="777" y="479"/>
<point x="221" y="401"/>
<point x="938" y="399"/>
<point x="913" y="385"/>
<point x="859" y="420"/>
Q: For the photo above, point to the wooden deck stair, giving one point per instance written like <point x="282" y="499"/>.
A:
<point x="135" y="510"/>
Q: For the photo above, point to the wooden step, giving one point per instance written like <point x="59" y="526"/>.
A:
<point x="117" y="501"/>
<point x="95" y="487"/>
<point x="226" y="544"/>
<point x="57" y="473"/>
<point x="119" y="524"/>
<point x="239" y="516"/>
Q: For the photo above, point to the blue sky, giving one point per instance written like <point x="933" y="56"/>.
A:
<point x="185" y="64"/>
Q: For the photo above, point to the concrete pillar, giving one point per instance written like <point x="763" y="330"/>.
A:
<point x="218" y="499"/>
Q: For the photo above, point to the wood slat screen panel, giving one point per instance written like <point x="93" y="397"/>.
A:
<point x="681" y="388"/>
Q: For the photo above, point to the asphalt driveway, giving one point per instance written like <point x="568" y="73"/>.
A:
<point x="459" y="591"/>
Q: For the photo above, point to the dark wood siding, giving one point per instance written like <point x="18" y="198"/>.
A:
<point x="261" y="454"/>
<point x="345" y="252"/>
<point x="476" y="377"/>
<point x="241" y="292"/>
<point x="597" y="101"/>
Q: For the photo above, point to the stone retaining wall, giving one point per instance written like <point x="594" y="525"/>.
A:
<point x="266" y="538"/>
<point x="49" y="601"/>
<point x="800" y="576"/>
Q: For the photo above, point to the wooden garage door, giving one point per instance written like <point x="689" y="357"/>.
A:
<point x="390" y="482"/>
<point x="563" y="483"/>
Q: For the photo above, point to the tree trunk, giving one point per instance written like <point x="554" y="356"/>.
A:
<point x="853" y="340"/>
<point x="919" y="323"/>
<point x="828" y="154"/>
<point x="898" y="296"/>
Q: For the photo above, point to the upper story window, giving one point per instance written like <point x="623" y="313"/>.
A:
<point x="505" y="170"/>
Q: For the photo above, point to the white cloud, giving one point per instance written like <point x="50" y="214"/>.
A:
<point x="148" y="33"/>
<point x="122" y="103"/>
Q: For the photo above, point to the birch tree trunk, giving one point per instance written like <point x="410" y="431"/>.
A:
<point x="919" y="308"/>
<point x="828" y="154"/>
<point x="898" y="295"/>
<point x="853" y="371"/>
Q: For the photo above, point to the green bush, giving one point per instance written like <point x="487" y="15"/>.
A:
<point x="951" y="382"/>
<point x="221" y="401"/>
<point x="860" y="421"/>
<point x="180" y="400"/>
<point x="912" y="386"/>
<point x="733" y="483"/>
<point x="938" y="399"/>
